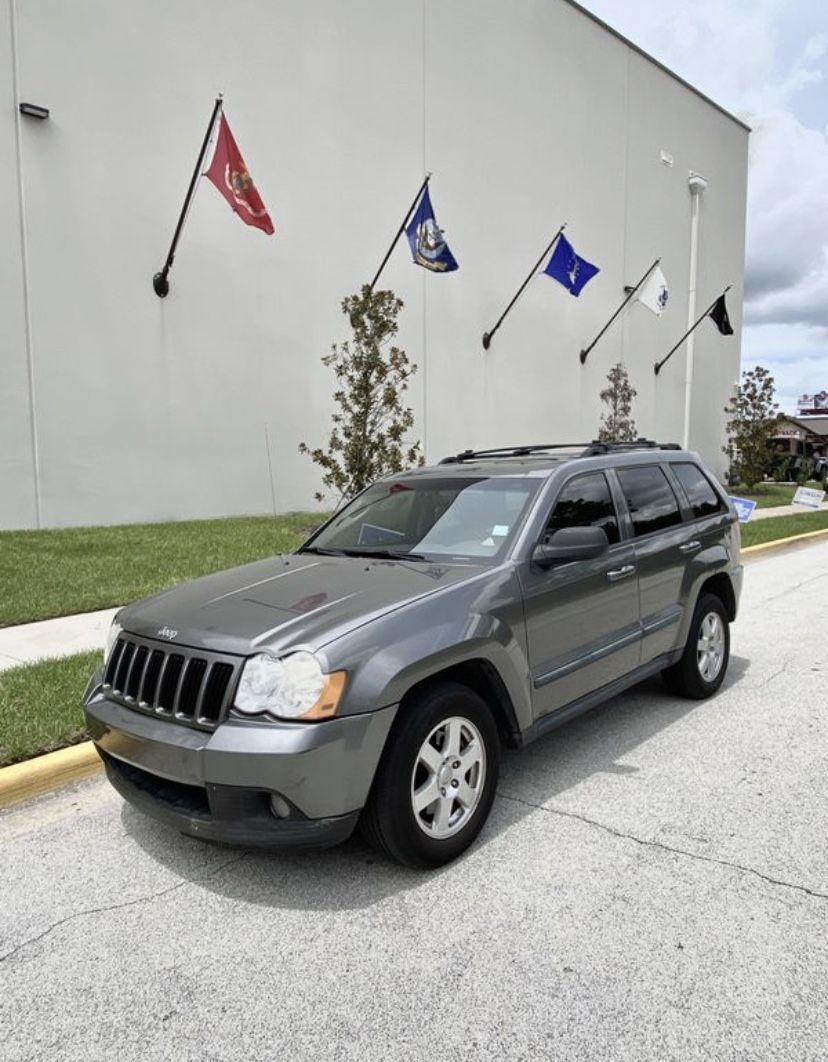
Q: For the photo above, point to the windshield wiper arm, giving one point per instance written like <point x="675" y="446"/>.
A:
<point x="383" y="554"/>
<point x="321" y="551"/>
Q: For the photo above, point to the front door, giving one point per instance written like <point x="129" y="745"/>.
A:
<point x="582" y="617"/>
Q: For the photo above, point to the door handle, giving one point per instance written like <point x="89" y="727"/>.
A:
<point x="620" y="573"/>
<point x="690" y="547"/>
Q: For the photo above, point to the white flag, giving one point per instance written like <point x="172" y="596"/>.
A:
<point x="654" y="293"/>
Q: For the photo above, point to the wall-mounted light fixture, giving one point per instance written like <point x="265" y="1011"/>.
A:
<point x="696" y="182"/>
<point x="31" y="110"/>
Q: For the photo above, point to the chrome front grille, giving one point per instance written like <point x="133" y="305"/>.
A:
<point x="188" y="685"/>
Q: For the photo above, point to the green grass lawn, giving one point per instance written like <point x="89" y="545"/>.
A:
<point x="766" y="495"/>
<point x="78" y="569"/>
<point x="40" y="706"/>
<point x="782" y="527"/>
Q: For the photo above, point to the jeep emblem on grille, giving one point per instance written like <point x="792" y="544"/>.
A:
<point x="167" y="632"/>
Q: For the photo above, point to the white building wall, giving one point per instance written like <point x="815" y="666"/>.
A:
<point x="529" y="113"/>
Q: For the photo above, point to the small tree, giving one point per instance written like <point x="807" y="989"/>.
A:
<point x="752" y="417"/>
<point x="367" y="437"/>
<point x="617" y="424"/>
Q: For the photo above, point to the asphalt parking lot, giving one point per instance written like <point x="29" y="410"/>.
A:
<point x="653" y="884"/>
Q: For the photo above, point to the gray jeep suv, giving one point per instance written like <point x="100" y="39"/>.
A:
<point x="374" y="674"/>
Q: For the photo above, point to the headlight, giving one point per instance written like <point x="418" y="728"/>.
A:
<point x="292" y="687"/>
<point x="111" y="638"/>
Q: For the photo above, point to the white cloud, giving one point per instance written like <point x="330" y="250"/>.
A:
<point x="795" y="355"/>
<point x="787" y="262"/>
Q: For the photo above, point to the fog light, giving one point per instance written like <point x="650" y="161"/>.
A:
<point x="279" y="806"/>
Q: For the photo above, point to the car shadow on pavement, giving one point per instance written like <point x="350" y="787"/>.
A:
<point x="353" y="876"/>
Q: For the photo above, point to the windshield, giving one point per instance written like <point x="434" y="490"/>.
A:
<point x="430" y="518"/>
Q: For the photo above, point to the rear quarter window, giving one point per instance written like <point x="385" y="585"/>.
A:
<point x="704" y="499"/>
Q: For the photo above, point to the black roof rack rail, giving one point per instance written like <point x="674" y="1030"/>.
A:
<point x="597" y="447"/>
<point x="592" y="449"/>
<point x="509" y="451"/>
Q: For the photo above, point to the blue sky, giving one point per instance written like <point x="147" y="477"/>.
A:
<point x="767" y="61"/>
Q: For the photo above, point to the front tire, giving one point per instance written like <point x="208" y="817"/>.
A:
<point x="703" y="665"/>
<point x="436" y="782"/>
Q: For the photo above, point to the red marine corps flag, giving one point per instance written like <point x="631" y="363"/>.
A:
<point x="230" y="175"/>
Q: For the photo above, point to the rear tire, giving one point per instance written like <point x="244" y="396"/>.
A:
<point x="703" y="665"/>
<point x="436" y="782"/>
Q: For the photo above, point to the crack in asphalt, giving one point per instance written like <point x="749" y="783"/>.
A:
<point x="119" y="906"/>
<point x="809" y="581"/>
<point x="783" y="670"/>
<point x="666" y="847"/>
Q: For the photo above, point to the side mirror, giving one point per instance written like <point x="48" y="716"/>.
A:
<point x="571" y="544"/>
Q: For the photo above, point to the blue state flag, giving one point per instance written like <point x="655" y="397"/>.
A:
<point x="569" y="268"/>
<point x="425" y="236"/>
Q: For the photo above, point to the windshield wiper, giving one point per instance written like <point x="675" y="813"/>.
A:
<point x="321" y="551"/>
<point x="383" y="554"/>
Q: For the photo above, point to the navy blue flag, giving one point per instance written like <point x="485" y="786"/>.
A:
<point x="425" y="236"/>
<point x="569" y="268"/>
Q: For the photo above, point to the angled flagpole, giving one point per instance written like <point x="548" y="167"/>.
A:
<point x="400" y="230"/>
<point x="586" y="350"/>
<point x="489" y="336"/>
<point x="160" y="283"/>
<point x="658" y="365"/>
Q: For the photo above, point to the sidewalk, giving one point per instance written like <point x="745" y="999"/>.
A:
<point x="785" y="510"/>
<point x="55" y="637"/>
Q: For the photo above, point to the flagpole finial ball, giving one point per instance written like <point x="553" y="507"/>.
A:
<point x="160" y="285"/>
<point x="583" y="356"/>
<point x="487" y="340"/>
<point x="657" y="368"/>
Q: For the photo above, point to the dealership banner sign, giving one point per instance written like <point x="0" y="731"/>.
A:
<point x="809" y="497"/>
<point x="744" y="508"/>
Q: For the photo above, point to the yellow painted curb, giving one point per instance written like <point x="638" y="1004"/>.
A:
<point x="762" y="546"/>
<point x="31" y="777"/>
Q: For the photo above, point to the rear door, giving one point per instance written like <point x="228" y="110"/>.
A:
<point x="582" y="617"/>
<point x="662" y="543"/>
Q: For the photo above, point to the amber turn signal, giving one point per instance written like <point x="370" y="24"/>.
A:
<point x="328" y="700"/>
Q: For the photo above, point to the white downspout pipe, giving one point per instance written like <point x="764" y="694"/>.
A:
<point x="697" y="185"/>
<point x="24" y="269"/>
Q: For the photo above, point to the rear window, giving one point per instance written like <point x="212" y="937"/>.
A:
<point x="650" y="499"/>
<point x="704" y="501"/>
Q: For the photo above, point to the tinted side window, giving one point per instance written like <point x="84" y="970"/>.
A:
<point x="585" y="502"/>
<point x="702" y="497"/>
<point x="650" y="499"/>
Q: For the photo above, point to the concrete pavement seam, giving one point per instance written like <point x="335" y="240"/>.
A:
<point x="119" y="906"/>
<point x="666" y="847"/>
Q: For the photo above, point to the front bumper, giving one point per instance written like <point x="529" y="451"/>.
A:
<point x="218" y="785"/>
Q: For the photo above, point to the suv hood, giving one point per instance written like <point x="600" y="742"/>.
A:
<point x="289" y="601"/>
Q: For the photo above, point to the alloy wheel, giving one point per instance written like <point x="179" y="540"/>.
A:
<point x="710" y="646"/>
<point x="448" y="777"/>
